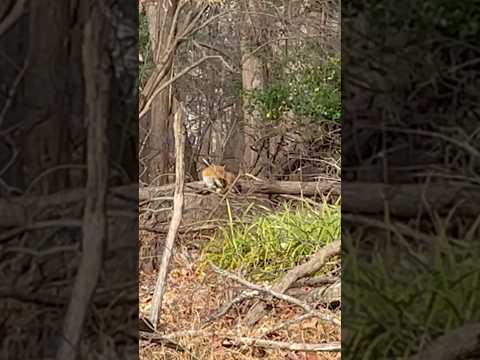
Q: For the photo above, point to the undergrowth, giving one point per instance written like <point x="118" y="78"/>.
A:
<point x="275" y="242"/>
<point x="392" y="310"/>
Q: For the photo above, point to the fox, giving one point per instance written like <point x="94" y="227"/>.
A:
<point x="215" y="177"/>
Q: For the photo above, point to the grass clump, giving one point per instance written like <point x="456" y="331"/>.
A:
<point x="395" y="309"/>
<point x="275" y="242"/>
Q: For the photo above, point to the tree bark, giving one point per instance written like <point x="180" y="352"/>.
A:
<point x="252" y="79"/>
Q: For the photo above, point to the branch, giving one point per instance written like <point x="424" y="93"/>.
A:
<point x="261" y="289"/>
<point x="282" y="345"/>
<point x="270" y="291"/>
<point x="178" y="201"/>
<point x="178" y="76"/>
<point x="310" y="267"/>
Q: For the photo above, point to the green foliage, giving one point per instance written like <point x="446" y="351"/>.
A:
<point x="390" y="307"/>
<point x="312" y="92"/>
<point x="274" y="243"/>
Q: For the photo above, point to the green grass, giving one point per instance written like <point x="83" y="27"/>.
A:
<point x="392" y="310"/>
<point x="274" y="242"/>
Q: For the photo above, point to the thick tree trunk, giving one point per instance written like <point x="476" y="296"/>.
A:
<point x="253" y="78"/>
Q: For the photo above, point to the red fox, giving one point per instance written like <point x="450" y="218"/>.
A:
<point x="216" y="177"/>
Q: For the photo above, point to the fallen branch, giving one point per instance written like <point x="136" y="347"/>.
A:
<point x="232" y="340"/>
<point x="261" y="289"/>
<point x="300" y="271"/>
<point x="290" y="299"/>
<point x="237" y="300"/>
<point x="326" y="294"/>
<point x="315" y="281"/>
<point x="282" y="345"/>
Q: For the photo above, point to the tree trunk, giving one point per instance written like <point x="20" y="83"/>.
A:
<point x="253" y="78"/>
<point x="159" y="145"/>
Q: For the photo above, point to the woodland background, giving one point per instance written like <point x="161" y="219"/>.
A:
<point x="257" y="87"/>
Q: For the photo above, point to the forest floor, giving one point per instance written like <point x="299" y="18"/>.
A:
<point x="193" y="295"/>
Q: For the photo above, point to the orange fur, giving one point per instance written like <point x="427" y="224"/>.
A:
<point x="216" y="177"/>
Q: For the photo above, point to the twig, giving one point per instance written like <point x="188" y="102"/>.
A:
<point x="245" y="295"/>
<point x="176" y="77"/>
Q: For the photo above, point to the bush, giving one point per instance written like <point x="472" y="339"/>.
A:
<point x="312" y="92"/>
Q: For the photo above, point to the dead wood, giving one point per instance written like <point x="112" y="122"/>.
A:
<point x="325" y="294"/>
<point x="262" y="187"/>
<point x="300" y="271"/>
<point x="161" y="283"/>
<point x="279" y="295"/>
<point x="407" y="200"/>
<point x="315" y="281"/>
<point x="282" y="345"/>
<point x="232" y="340"/>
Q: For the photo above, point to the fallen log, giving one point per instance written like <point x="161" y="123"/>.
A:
<point x="260" y="187"/>
<point x="407" y="200"/>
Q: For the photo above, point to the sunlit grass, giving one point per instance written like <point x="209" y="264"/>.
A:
<point x="274" y="242"/>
